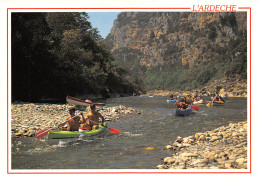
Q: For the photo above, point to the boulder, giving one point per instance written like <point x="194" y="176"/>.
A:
<point x="189" y="155"/>
<point x="197" y="135"/>
<point x="202" y="138"/>
<point x="240" y="161"/>
<point x="169" y="160"/>
<point x="214" y="138"/>
<point x="169" y="147"/>
<point x="179" y="139"/>
<point x="227" y="165"/>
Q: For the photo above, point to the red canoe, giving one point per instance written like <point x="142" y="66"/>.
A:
<point x="79" y="102"/>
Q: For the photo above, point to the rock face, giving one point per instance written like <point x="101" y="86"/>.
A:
<point x="222" y="148"/>
<point x="160" y="37"/>
<point x="143" y="41"/>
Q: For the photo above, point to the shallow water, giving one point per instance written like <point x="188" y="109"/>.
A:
<point x="155" y="127"/>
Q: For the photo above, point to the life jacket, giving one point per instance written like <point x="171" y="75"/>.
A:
<point x="181" y="105"/>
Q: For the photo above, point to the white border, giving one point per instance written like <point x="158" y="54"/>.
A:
<point x="111" y="170"/>
<point x="163" y="3"/>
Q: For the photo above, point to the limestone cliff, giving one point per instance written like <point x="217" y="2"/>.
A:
<point x="146" y="42"/>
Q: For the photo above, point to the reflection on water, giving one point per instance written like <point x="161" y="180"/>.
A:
<point x="155" y="127"/>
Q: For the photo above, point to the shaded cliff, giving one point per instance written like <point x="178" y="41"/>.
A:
<point x="180" y="50"/>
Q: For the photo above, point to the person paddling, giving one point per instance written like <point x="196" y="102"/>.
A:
<point x="171" y="97"/>
<point x="183" y="104"/>
<point x="93" y="119"/>
<point x="73" y="123"/>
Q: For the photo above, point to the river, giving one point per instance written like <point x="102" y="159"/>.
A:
<point x="154" y="128"/>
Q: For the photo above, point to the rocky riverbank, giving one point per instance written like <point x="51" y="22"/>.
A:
<point x="28" y="118"/>
<point x="221" y="148"/>
<point x="234" y="87"/>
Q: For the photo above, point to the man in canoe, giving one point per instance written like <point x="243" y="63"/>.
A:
<point x="172" y="97"/>
<point x="182" y="104"/>
<point x="73" y="123"/>
<point x="219" y="98"/>
<point x="93" y="119"/>
<point x="195" y="96"/>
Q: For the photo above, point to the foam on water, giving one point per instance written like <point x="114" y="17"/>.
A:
<point x="61" y="144"/>
<point x="131" y="134"/>
<point x="40" y="150"/>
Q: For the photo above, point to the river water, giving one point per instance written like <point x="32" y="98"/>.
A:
<point x="154" y="128"/>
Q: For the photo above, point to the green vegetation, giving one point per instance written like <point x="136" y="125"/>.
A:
<point x="60" y="54"/>
<point x="175" y="77"/>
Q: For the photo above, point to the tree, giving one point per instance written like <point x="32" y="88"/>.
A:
<point x="59" y="54"/>
<point x="30" y="55"/>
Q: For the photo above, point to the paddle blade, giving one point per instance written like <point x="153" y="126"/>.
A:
<point x="113" y="130"/>
<point x="42" y="133"/>
<point x="229" y="101"/>
<point x="195" y="108"/>
<point x="221" y="91"/>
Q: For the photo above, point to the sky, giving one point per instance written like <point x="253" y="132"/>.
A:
<point x="103" y="21"/>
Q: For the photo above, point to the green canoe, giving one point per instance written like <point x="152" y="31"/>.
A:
<point x="75" y="134"/>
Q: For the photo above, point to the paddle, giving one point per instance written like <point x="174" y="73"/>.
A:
<point x="195" y="108"/>
<point x="44" y="132"/>
<point x="208" y="104"/>
<point x="113" y="130"/>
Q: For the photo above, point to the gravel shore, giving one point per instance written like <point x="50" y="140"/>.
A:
<point x="28" y="118"/>
<point x="221" y="148"/>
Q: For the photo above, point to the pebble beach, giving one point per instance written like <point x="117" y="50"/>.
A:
<point x="222" y="148"/>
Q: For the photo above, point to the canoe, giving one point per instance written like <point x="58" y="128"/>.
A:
<point x="198" y="102"/>
<point x="216" y="103"/>
<point x="79" y="102"/>
<point x="171" y="101"/>
<point x="182" y="112"/>
<point x="76" y="134"/>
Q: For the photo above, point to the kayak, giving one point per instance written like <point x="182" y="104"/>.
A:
<point x="75" y="134"/>
<point x="182" y="112"/>
<point x="198" y="102"/>
<point x="171" y="101"/>
<point x="79" y="102"/>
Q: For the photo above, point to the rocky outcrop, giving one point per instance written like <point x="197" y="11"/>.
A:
<point x="163" y="37"/>
<point x="212" y="45"/>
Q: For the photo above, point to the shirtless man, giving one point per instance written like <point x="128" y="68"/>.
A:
<point x="73" y="122"/>
<point x="93" y="119"/>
